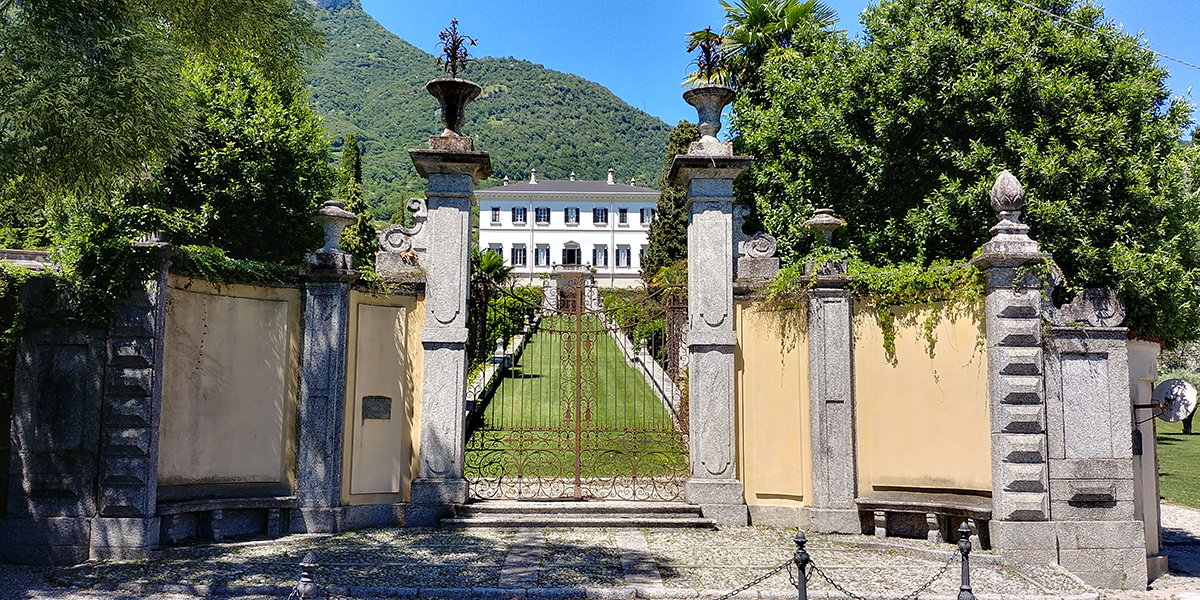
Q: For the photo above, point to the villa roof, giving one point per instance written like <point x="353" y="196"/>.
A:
<point x="566" y="186"/>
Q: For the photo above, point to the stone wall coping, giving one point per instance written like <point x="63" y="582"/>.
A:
<point x="475" y="163"/>
<point x="734" y="166"/>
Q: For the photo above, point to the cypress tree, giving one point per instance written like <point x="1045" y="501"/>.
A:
<point x="358" y="239"/>
<point x="668" y="232"/>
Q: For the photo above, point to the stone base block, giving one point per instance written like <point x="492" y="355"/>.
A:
<point x="714" y="491"/>
<point x="439" y="491"/>
<point x="757" y="268"/>
<point x="123" y="538"/>
<point x="45" y="541"/>
<point x="776" y="516"/>
<point x="345" y="518"/>
<point x="315" y="520"/>
<point x="833" y="520"/>
<point x="1156" y="566"/>
<point x="1023" y="535"/>
<point x="372" y="515"/>
<point x="1107" y="568"/>
<point x="432" y="500"/>
<point x="391" y="266"/>
<point x="734" y="515"/>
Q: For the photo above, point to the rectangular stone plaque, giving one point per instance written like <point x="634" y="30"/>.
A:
<point x="376" y="407"/>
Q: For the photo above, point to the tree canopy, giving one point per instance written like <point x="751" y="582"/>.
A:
<point x="92" y="96"/>
<point x="252" y="170"/>
<point x="904" y="130"/>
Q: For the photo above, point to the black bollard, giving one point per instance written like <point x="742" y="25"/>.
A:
<point x="801" y="559"/>
<point x="307" y="588"/>
<point x="964" y="547"/>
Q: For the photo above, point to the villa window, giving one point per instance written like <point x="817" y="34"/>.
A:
<point x="518" y="215"/>
<point x="600" y="215"/>
<point x="623" y="216"/>
<point x="571" y="215"/>
<point x="541" y="256"/>
<point x="495" y="214"/>
<point x="622" y="257"/>
<point x="496" y="249"/>
<point x="518" y="256"/>
<point x="542" y="214"/>
<point x="600" y="256"/>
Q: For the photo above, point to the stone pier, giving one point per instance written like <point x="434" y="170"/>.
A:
<point x="322" y="391"/>
<point x="452" y="174"/>
<point x="713" y="483"/>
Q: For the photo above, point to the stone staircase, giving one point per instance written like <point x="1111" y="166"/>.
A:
<point x="562" y="514"/>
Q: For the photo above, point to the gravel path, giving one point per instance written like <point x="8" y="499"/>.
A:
<point x="579" y="563"/>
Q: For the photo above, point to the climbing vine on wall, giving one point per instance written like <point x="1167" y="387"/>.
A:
<point x="885" y="289"/>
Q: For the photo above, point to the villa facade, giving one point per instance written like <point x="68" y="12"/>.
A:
<point x="555" y="229"/>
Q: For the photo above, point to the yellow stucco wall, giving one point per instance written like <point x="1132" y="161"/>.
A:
<point x="923" y="422"/>
<point x="771" y="392"/>
<point x="229" y="384"/>
<point x="383" y="359"/>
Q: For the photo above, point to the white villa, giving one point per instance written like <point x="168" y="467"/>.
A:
<point x="558" y="228"/>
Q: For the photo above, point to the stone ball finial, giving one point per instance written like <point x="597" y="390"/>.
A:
<point x="1008" y="195"/>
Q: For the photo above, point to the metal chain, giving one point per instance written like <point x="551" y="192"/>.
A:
<point x="911" y="596"/>
<point x="756" y="581"/>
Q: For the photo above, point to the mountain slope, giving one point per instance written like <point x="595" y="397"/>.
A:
<point x="372" y="83"/>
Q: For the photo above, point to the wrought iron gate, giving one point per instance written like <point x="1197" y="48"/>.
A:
<point x="578" y="405"/>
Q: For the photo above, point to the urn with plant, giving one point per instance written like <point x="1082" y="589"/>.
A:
<point x="708" y="93"/>
<point x="451" y="92"/>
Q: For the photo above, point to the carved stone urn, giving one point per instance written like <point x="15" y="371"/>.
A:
<point x="709" y="101"/>
<point x="453" y="95"/>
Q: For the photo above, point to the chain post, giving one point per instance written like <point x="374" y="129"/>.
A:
<point x="307" y="587"/>
<point x="801" y="559"/>
<point x="964" y="547"/>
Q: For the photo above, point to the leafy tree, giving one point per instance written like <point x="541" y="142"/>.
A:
<point x="358" y="239"/>
<point x="252" y="171"/>
<point x="91" y="93"/>
<point x="903" y="132"/>
<point x="668" y="233"/>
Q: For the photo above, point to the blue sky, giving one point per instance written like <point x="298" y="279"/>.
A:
<point x="637" y="48"/>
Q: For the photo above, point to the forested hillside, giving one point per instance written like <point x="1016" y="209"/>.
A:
<point x="371" y="83"/>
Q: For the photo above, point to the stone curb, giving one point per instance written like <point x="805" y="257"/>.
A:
<point x="614" y="593"/>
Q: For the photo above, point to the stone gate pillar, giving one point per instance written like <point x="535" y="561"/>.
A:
<point x="831" y="402"/>
<point x="329" y="273"/>
<point x="452" y="170"/>
<point x="708" y="171"/>
<point x="1020" y="526"/>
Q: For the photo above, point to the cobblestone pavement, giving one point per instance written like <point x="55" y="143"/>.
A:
<point x="576" y="563"/>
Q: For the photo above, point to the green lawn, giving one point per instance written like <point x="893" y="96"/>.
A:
<point x="1178" y="464"/>
<point x="530" y="424"/>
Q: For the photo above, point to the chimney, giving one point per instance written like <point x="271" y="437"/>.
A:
<point x="533" y="176"/>
<point x="610" y="176"/>
<point x="506" y="180"/>
<point x="572" y="175"/>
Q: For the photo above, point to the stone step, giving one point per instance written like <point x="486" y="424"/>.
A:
<point x="605" y="507"/>
<point x="573" y="521"/>
<point x="502" y="513"/>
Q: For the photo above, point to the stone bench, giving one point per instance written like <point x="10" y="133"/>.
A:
<point x="934" y="516"/>
<point x="219" y="518"/>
